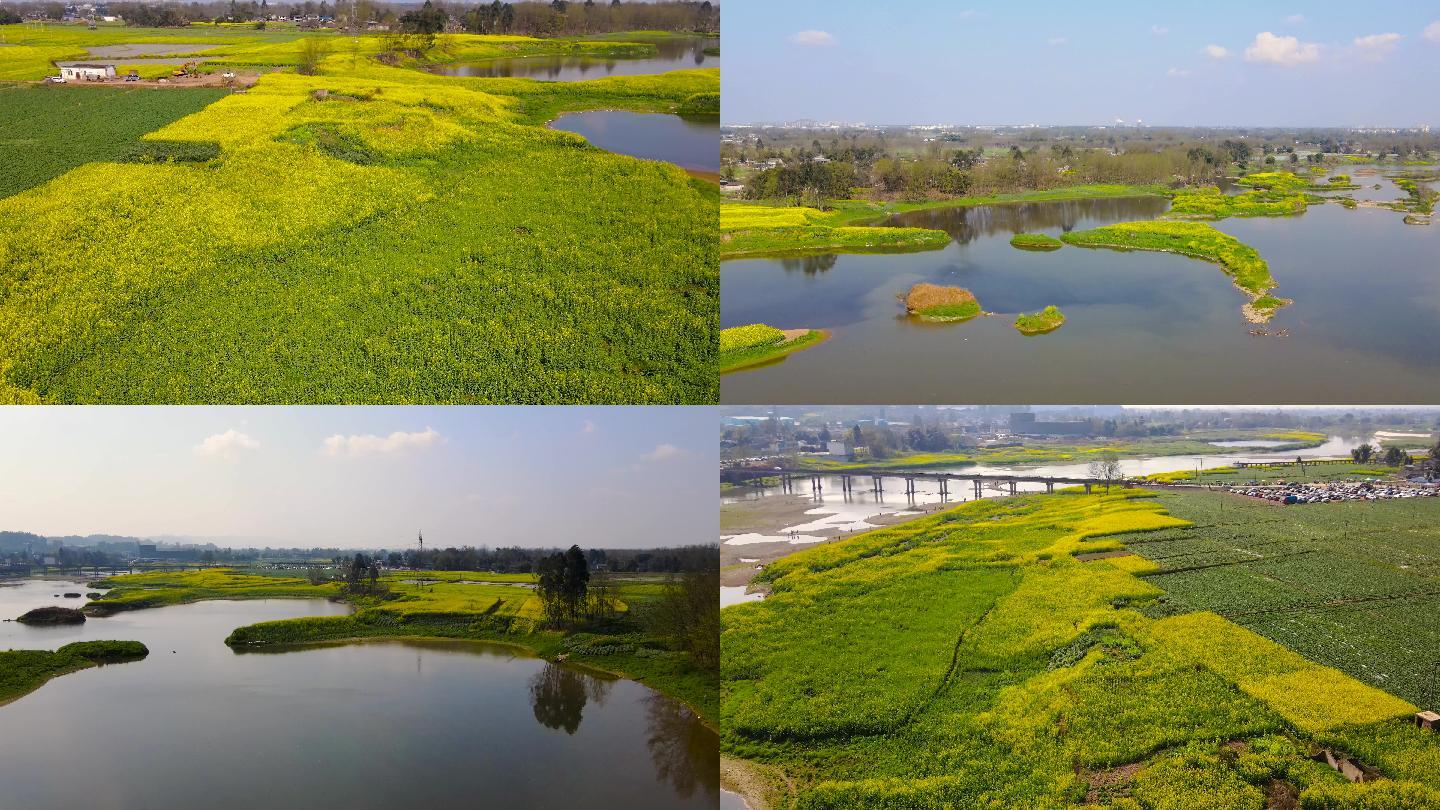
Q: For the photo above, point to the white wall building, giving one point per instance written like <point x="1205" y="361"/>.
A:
<point x="86" y="72"/>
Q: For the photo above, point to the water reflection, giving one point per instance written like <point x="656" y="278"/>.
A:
<point x="682" y="748"/>
<point x="809" y="265"/>
<point x="965" y="225"/>
<point x="558" y="696"/>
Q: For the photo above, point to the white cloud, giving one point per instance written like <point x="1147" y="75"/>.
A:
<point x="1283" y="51"/>
<point x="589" y="427"/>
<point x="1159" y="30"/>
<point x="1295" y="19"/>
<point x="1177" y="73"/>
<point x="1377" y="46"/>
<point x="370" y="444"/>
<point x="226" y="445"/>
<point x="1217" y="52"/>
<point x="812" y="38"/>
<point x="969" y="14"/>
<point x="1059" y="40"/>
<point x="1432" y="32"/>
<point x="665" y="452"/>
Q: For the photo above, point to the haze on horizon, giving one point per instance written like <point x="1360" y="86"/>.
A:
<point x="1223" y="63"/>
<point x="364" y="477"/>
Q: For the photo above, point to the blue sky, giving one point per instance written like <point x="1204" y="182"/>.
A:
<point x="1176" y="63"/>
<point x="364" y="477"/>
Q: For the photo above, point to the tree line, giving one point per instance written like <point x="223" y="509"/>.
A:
<point x="546" y="19"/>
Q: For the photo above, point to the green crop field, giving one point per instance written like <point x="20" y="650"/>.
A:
<point x="1355" y="586"/>
<point x="970" y="659"/>
<point x="370" y="234"/>
<point x="46" y="131"/>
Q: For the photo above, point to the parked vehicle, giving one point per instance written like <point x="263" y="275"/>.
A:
<point x="55" y="79"/>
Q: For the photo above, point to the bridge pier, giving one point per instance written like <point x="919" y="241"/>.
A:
<point x="944" y="489"/>
<point x="1087" y="487"/>
<point x="979" y="490"/>
<point x="1012" y="488"/>
<point x="815" y="486"/>
<point x="1049" y="487"/>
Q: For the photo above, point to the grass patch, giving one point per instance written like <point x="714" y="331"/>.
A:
<point x="1198" y="240"/>
<point x="1046" y="320"/>
<point x="1035" y="241"/>
<point x="24" y="671"/>
<point x="933" y="302"/>
<point x="758" y="344"/>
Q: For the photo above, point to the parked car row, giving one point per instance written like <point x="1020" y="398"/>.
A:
<point x="1334" y="492"/>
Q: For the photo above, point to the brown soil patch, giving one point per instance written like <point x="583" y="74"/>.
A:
<point x="1109" y="784"/>
<point x="924" y="296"/>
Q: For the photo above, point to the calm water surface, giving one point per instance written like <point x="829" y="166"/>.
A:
<point x="674" y="54"/>
<point x="690" y="144"/>
<point x="376" y="725"/>
<point x="1152" y="327"/>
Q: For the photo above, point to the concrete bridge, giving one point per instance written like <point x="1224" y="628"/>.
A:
<point x="791" y="477"/>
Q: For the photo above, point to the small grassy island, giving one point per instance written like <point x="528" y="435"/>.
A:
<point x="1035" y="241"/>
<point x="53" y="615"/>
<point x="756" y="344"/>
<point x="1046" y="320"/>
<point x="1198" y="240"/>
<point x="940" y="304"/>
<point x="766" y="230"/>
<point x="24" y="671"/>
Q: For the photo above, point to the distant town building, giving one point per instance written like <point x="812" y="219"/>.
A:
<point x="837" y="450"/>
<point x="1026" y="424"/>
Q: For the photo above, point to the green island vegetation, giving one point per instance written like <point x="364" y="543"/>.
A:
<point x="354" y="229"/>
<point x="646" y="627"/>
<point x="1014" y="653"/>
<point x="1035" y="241"/>
<point x="764" y="230"/>
<point x="1195" y="443"/>
<point x="1208" y="202"/>
<point x="24" y="671"/>
<point x="1422" y="197"/>
<point x="1046" y="320"/>
<point x="758" y="344"/>
<point x="936" y="303"/>
<point x="1280" y="472"/>
<point x="1198" y="240"/>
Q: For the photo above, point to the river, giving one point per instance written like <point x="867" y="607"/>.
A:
<point x="691" y="144"/>
<point x="1161" y="328"/>
<point x="373" y="725"/>
<point x="836" y="512"/>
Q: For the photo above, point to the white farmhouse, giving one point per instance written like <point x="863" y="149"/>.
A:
<point x="87" y="72"/>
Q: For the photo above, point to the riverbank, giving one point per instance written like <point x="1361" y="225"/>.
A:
<point x="772" y="228"/>
<point x="448" y="604"/>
